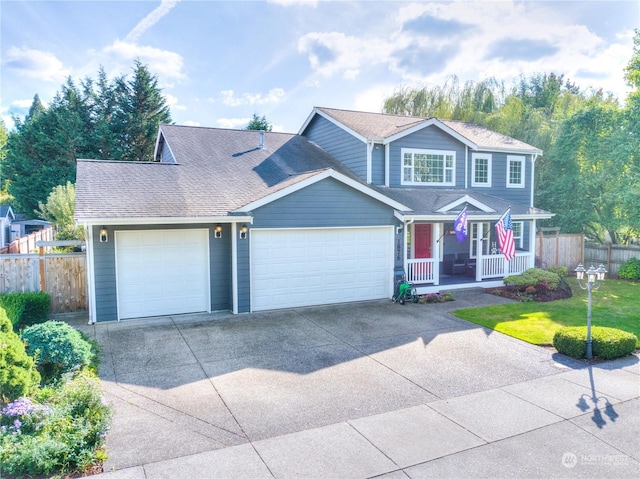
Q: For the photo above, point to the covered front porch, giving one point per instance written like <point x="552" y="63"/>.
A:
<point x="435" y="260"/>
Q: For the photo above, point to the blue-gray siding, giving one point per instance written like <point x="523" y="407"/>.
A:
<point x="347" y="149"/>
<point x="377" y="165"/>
<point x="105" y="269"/>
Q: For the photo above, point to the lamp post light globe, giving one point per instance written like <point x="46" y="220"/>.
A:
<point x="595" y="277"/>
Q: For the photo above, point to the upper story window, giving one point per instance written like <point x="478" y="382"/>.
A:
<point x="434" y="167"/>
<point x="515" y="171"/>
<point x="481" y="169"/>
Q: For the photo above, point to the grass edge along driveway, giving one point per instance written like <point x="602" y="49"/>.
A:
<point x="615" y="305"/>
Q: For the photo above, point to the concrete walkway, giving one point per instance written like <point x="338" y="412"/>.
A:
<point x="360" y="390"/>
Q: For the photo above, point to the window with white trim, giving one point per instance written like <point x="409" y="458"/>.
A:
<point x="433" y="167"/>
<point x="480" y="231"/>
<point x="481" y="169"/>
<point x="515" y="171"/>
<point x="518" y="228"/>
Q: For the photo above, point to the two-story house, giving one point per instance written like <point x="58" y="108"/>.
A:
<point x="248" y="221"/>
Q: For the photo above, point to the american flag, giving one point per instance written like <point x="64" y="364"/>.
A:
<point x="504" y="229"/>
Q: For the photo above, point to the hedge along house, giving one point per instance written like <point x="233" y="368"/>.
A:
<point x="248" y="221"/>
<point x="231" y="220"/>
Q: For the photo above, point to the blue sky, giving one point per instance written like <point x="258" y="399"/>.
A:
<point x="218" y="62"/>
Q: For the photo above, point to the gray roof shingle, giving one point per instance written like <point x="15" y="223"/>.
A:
<point x="381" y="126"/>
<point x="217" y="172"/>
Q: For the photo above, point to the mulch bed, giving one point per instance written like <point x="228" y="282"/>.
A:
<point x="563" y="291"/>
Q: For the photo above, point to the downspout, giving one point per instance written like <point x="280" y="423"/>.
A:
<point x="91" y="287"/>
<point x="234" y="268"/>
<point x="533" y="173"/>
<point x="369" y="160"/>
<point x="386" y="164"/>
<point x="466" y="166"/>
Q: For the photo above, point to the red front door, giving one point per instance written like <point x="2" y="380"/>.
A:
<point x="422" y="241"/>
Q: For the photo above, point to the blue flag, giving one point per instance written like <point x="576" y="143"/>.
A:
<point x="460" y="225"/>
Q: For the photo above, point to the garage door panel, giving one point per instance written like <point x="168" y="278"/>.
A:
<point x="320" y="266"/>
<point x="161" y="272"/>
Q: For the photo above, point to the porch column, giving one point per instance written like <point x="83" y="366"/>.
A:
<point x="479" y="258"/>
<point x="435" y="254"/>
<point x="532" y="245"/>
<point x="234" y="268"/>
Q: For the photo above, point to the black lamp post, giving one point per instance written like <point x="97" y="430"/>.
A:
<point x="595" y="277"/>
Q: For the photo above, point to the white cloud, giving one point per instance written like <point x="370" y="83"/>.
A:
<point x="172" y="102"/>
<point x="150" y="20"/>
<point x="26" y="103"/>
<point x="373" y="98"/>
<point x="35" y="64"/>
<point x="166" y="64"/>
<point x="232" y="122"/>
<point x="229" y="98"/>
<point x="190" y="123"/>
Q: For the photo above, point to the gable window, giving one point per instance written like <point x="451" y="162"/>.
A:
<point x="481" y="168"/>
<point x="434" y="167"/>
<point x="515" y="171"/>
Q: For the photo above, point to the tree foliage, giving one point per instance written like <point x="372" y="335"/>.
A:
<point x="59" y="210"/>
<point x="103" y="119"/>
<point x="589" y="175"/>
<point x="259" y="123"/>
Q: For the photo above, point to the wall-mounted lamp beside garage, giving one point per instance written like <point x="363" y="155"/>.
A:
<point x="104" y="235"/>
<point x="217" y="231"/>
<point x="243" y="232"/>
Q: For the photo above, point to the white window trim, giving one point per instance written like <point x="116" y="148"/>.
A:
<point x="474" y="157"/>
<point x="521" y="160"/>
<point x="444" y="153"/>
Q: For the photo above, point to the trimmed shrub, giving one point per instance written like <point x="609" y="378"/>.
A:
<point x="571" y="341"/>
<point x="57" y="347"/>
<point x="536" y="277"/>
<point x="610" y="343"/>
<point x="606" y="343"/>
<point x="25" y="309"/>
<point x="630" y="269"/>
<point x="18" y="375"/>
<point x="559" y="270"/>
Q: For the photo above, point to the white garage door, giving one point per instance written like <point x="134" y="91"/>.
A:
<point x="304" y="267"/>
<point x="162" y="272"/>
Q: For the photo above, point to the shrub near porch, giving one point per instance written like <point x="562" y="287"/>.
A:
<point x="615" y="305"/>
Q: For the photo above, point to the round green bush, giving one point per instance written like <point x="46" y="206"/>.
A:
<point x="630" y="269"/>
<point x="536" y="277"/>
<point x="18" y="375"/>
<point x="606" y="343"/>
<point x="57" y="348"/>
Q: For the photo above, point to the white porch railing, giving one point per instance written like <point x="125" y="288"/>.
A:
<point x="496" y="266"/>
<point x="421" y="270"/>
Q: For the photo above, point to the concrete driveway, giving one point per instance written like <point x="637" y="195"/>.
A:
<point x="359" y="390"/>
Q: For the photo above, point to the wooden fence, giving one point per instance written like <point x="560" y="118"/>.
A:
<point x="553" y="248"/>
<point x="610" y="255"/>
<point x="65" y="278"/>
<point x="27" y="243"/>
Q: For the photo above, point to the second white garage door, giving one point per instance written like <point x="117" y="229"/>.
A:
<point x="162" y="272"/>
<point x="304" y="267"/>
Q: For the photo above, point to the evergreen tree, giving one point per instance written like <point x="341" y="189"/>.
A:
<point x="259" y="123"/>
<point x="140" y="111"/>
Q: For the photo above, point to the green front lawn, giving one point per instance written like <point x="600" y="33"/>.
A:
<point x="615" y="305"/>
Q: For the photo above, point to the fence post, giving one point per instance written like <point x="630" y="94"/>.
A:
<point x="42" y="278"/>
